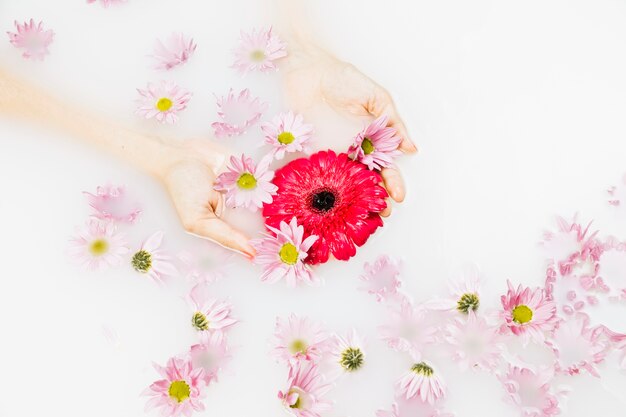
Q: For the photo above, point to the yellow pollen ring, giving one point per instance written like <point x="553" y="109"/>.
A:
<point x="522" y="314"/>
<point x="164" y="104"/>
<point x="99" y="247"/>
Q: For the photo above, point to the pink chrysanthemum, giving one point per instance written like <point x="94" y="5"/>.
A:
<point x="175" y="51"/>
<point x="258" y="50"/>
<point x="247" y="184"/>
<point x="349" y="351"/>
<point x="475" y="344"/>
<point x="408" y="330"/>
<point x="32" y="39"/>
<point x="162" y="101"/>
<point x="530" y="391"/>
<point x="151" y="260"/>
<point x="98" y="245"/>
<point x="211" y="354"/>
<point x="527" y="313"/>
<point x="414" y="407"/>
<point x="381" y="278"/>
<point x="287" y="133"/>
<point x="107" y="3"/>
<point x="617" y="194"/>
<point x="423" y="382"/>
<point x="464" y="294"/>
<point x="297" y="339"/>
<point x="377" y="145"/>
<point x="283" y="253"/>
<point x="209" y="314"/>
<point x="206" y="262"/>
<point x="111" y="203"/>
<point x="181" y="390"/>
<point x="304" y="396"/>
<point x="237" y="113"/>
<point x="334" y="198"/>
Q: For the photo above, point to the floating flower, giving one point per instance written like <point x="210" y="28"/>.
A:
<point x="206" y="262"/>
<point x="111" y="203"/>
<point x="98" y="245"/>
<point x="617" y="194"/>
<point x="297" y="339"/>
<point x="334" y="198"/>
<point x="211" y="354"/>
<point x="208" y="313"/>
<point x="287" y="133"/>
<point x="162" y="101"/>
<point x="258" y="50"/>
<point x="377" y="145"/>
<point x="413" y="408"/>
<point x="475" y="344"/>
<point x="528" y="313"/>
<point x="151" y="260"/>
<point x="381" y="277"/>
<point x="180" y="391"/>
<point x="349" y="351"/>
<point x="529" y="390"/>
<point x="107" y="3"/>
<point x="238" y="113"/>
<point x="283" y="255"/>
<point x="408" y="330"/>
<point x="304" y="396"/>
<point x="464" y="294"/>
<point x="175" y="51"/>
<point x="247" y="184"/>
<point x="32" y="38"/>
<point x="423" y="382"/>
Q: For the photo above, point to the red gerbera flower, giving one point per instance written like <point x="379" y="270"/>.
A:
<point x="333" y="197"/>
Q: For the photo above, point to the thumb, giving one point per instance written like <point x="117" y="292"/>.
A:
<point x="220" y="232"/>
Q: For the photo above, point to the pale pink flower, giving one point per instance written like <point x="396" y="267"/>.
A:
<point x="181" y="390"/>
<point x="381" y="278"/>
<point x="287" y="133"/>
<point x="97" y="245"/>
<point x="107" y="3"/>
<point x="211" y="354"/>
<point x="209" y="314"/>
<point x="423" y="382"/>
<point x="206" y="262"/>
<point x="282" y="254"/>
<point x="258" y="50"/>
<point x="304" y="396"/>
<point x="32" y="38"/>
<point x="527" y="313"/>
<point x="111" y="203"/>
<point x="611" y="272"/>
<point x="475" y="343"/>
<point x="377" y="145"/>
<point x="413" y="407"/>
<point x="247" y="184"/>
<point x="175" y="51"/>
<point x="299" y="338"/>
<point x="617" y="194"/>
<point x="349" y="351"/>
<point x="616" y="341"/>
<point x="237" y="113"/>
<point x="151" y="260"/>
<point x="530" y="391"/>
<point x="162" y="101"/>
<point x="408" y="330"/>
<point x="464" y="294"/>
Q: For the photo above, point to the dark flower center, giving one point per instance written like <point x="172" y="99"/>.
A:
<point x="323" y="200"/>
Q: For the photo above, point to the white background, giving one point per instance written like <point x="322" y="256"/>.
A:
<point x="518" y="110"/>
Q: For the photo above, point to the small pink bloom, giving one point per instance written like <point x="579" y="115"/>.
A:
<point x="287" y="133"/>
<point x="377" y="145"/>
<point x="32" y="38"/>
<point x="475" y="344"/>
<point x="209" y="313"/>
<point x="98" y="245"/>
<point x="107" y="3"/>
<point x="617" y="194"/>
<point x="304" y="396"/>
<point x="258" y="50"/>
<point x="175" y="51"/>
<point x="180" y="391"/>
<point x="246" y="184"/>
<point x="211" y="354"/>
<point x="413" y="407"/>
<point x="151" y="260"/>
<point x="381" y="277"/>
<point x="408" y="330"/>
<point x="530" y="391"/>
<point x="162" y="101"/>
<point x="111" y="203"/>
<point x="206" y="262"/>
<point x="283" y="254"/>
<point x="237" y="113"/>
<point x="421" y="381"/>
<point x="464" y="295"/>
<point x="349" y="351"/>
<point x="297" y="339"/>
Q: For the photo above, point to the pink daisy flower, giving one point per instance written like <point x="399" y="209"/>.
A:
<point x="530" y="391"/>
<point x="98" y="245"/>
<point x="111" y="203"/>
<point x="258" y="50"/>
<point x="422" y="382"/>
<point x="381" y="278"/>
<point x="107" y="3"/>
<point x="151" y="260"/>
<point x="475" y="344"/>
<point x="211" y="355"/>
<point x="180" y="391"/>
<point x="162" y="101"/>
<point x="464" y="294"/>
<point x="247" y="184"/>
<point x="408" y="330"/>
<point x="377" y="145"/>
<point x="304" y="396"/>
<point x="208" y="313"/>
<point x="206" y="262"/>
<point x="175" y="51"/>
<point x="527" y="313"/>
<point x="237" y="113"/>
<point x="297" y="339"/>
<point x="617" y="194"/>
<point x="32" y="39"/>
<point x="413" y="407"/>
<point x="287" y="133"/>
<point x="283" y="254"/>
<point x="349" y="351"/>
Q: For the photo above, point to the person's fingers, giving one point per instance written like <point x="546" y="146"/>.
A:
<point x="384" y="106"/>
<point x="216" y="202"/>
<point x="222" y="233"/>
<point x="387" y="211"/>
<point x="394" y="184"/>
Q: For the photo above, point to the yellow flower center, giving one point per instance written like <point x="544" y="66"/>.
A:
<point x="99" y="247"/>
<point x="467" y="302"/>
<point x="286" y="138"/>
<point x="522" y="314"/>
<point x="199" y="321"/>
<point x="257" y="56"/>
<point x="179" y="391"/>
<point x="297" y="404"/>
<point x="351" y="359"/>
<point x="367" y="146"/>
<point x="288" y="254"/>
<point x="298" y="346"/>
<point x="422" y="368"/>
<point x="164" y="104"/>
<point x="246" y="181"/>
<point x="142" y="261"/>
